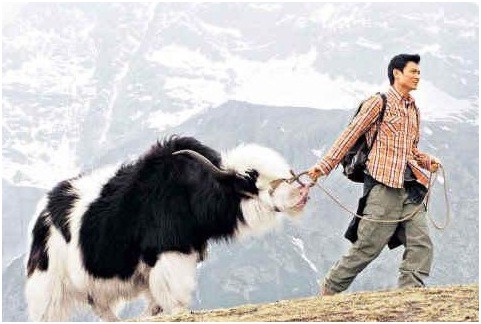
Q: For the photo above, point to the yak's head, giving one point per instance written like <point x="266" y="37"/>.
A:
<point x="271" y="175"/>
<point x="260" y="175"/>
<point x="262" y="178"/>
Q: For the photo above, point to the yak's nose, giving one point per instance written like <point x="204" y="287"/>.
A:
<point x="304" y="191"/>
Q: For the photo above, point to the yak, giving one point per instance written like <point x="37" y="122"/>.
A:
<point x="139" y="229"/>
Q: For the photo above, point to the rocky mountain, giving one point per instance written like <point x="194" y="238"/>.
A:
<point x="90" y="84"/>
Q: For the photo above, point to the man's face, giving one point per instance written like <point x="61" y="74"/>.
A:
<point x="409" y="78"/>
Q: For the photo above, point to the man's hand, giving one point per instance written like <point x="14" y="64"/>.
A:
<point x="314" y="173"/>
<point x="435" y="163"/>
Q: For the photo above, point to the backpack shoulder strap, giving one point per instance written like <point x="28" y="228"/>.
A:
<point x="357" y="111"/>
<point x="384" y="100"/>
<point x="384" y="104"/>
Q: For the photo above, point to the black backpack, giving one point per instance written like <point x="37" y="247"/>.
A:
<point x="354" y="162"/>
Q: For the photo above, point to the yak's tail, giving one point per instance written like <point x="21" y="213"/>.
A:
<point x="46" y="287"/>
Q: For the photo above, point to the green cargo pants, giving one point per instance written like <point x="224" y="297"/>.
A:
<point x="388" y="204"/>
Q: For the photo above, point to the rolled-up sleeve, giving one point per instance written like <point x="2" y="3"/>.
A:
<point x="422" y="159"/>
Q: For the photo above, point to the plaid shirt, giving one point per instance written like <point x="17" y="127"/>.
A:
<point x="396" y="143"/>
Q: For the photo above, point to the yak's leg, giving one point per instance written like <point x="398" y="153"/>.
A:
<point x="153" y="308"/>
<point x="47" y="298"/>
<point x="172" y="280"/>
<point x="103" y="310"/>
<point x="105" y="313"/>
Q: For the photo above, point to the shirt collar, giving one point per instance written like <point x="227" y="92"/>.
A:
<point x="408" y="98"/>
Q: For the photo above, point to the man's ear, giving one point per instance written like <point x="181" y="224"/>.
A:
<point x="397" y="73"/>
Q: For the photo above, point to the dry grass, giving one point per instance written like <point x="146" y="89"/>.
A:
<point x="435" y="304"/>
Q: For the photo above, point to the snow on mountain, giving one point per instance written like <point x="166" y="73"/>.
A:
<point x="299" y="244"/>
<point x="293" y="81"/>
<point x="37" y="170"/>
<point x="163" y="120"/>
<point x="437" y="105"/>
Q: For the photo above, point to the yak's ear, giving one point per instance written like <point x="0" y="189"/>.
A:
<point x="246" y="185"/>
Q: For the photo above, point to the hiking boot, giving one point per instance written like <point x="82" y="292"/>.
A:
<point x="326" y="291"/>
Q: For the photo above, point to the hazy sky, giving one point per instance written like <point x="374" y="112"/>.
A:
<point x="9" y="10"/>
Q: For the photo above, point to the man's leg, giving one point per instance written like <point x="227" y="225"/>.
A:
<point x="383" y="203"/>
<point x="418" y="253"/>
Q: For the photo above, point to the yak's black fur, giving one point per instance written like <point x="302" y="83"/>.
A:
<point x="162" y="202"/>
<point x="60" y="202"/>
<point x="38" y="258"/>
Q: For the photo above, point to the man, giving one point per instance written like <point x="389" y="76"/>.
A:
<point x="394" y="185"/>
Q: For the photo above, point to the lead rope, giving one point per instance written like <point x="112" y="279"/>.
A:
<point x="446" y="201"/>
<point x="432" y="180"/>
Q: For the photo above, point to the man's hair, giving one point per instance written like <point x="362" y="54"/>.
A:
<point x="399" y="62"/>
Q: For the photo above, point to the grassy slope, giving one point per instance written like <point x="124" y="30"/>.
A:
<point x="453" y="303"/>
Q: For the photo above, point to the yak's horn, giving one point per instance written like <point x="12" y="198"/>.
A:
<point x="199" y="157"/>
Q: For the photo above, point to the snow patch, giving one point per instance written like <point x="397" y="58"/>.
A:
<point x="294" y="82"/>
<point x="427" y="131"/>
<point x="332" y="16"/>
<point x="265" y="6"/>
<point x="430" y="49"/>
<point x="42" y="170"/>
<point x="318" y="153"/>
<point x="181" y="57"/>
<point x="436" y="105"/>
<point x="161" y="120"/>
<point x="196" y="91"/>
<point x="219" y="31"/>
<point x="299" y="244"/>
<point x="361" y="41"/>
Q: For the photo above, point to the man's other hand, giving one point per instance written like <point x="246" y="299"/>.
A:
<point x="435" y="163"/>
<point x="314" y="173"/>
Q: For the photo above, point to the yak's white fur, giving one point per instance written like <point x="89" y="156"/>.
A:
<point x="270" y="164"/>
<point x="259" y="212"/>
